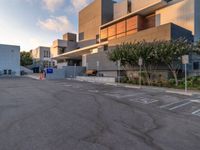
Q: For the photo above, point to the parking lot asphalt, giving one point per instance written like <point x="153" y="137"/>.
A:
<point x="72" y="115"/>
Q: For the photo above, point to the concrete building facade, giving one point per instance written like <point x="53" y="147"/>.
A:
<point x="41" y="58"/>
<point x="112" y="23"/>
<point x="91" y="18"/>
<point x="9" y="60"/>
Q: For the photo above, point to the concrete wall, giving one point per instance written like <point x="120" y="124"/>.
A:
<point x="57" y="74"/>
<point x="197" y="20"/>
<point x="104" y="63"/>
<point x="67" y="45"/>
<point x="39" y="53"/>
<point x="90" y="20"/>
<point x="35" y="53"/>
<point x="71" y="71"/>
<point x="10" y="58"/>
<point x="96" y="79"/>
<point x="92" y="17"/>
<point x="181" y="13"/>
<point x="66" y="72"/>
<point x="70" y="37"/>
<point x="163" y="32"/>
<point x="120" y="9"/>
<point x="138" y="4"/>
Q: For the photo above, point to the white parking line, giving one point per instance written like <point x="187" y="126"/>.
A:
<point x="93" y="91"/>
<point x="144" y="100"/>
<point x="67" y="85"/>
<point x="197" y="112"/>
<point x="118" y="95"/>
<point x="163" y="106"/>
<point x="176" y="107"/>
<point x="125" y="96"/>
<point x="195" y="101"/>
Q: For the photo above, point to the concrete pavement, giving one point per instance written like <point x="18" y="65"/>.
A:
<point x="71" y="115"/>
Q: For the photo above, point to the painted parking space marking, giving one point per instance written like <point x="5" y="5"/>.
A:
<point x="67" y="85"/>
<point x="144" y="100"/>
<point x="195" y="101"/>
<point x="121" y="96"/>
<point x="197" y="112"/>
<point x="93" y="91"/>
<point x="181" y="105"/>
<point x="170" y="104"/>
<point x="125" y="96"/>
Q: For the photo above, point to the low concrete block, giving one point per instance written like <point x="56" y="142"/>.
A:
<point x="96" y="79"/>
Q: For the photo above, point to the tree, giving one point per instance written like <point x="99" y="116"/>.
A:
<point x="26" y="58"/>
<point x="171" y="52"/>
<point x="129" y="54"/>
<point x="154" y="53"/>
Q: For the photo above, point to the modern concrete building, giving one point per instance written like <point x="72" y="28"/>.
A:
<point x="91" y="18"/>
<point x="60" y="46"/>
<point x="104" y="24"/>
<point x="41" y="57"/>
<point x="9" y="60"/>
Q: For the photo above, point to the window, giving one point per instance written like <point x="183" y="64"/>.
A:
<point x="81" y="36"/>
<point x="61" y="50"/>
<point x="46" y="54"/>
<point x="5" y="72"/>
<point x="196" y="66"/>
<point x="9" y="72"/>
<point x="105" y="47"/>
<point x="97" y="38"/>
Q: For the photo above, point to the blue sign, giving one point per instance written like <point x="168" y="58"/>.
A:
<point x="49" y="71"/>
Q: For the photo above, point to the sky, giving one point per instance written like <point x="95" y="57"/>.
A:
<point x="33" y="23"/>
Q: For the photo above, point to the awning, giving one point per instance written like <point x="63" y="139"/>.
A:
<point x="79" y="52"/>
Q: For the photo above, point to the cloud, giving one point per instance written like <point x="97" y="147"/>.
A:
<point x="53" y="5"/>
<point x="60" y="24"/>
<point x="79" y="4"/>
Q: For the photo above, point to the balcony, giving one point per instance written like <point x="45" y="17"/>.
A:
<point x="168" y="31"/>
<point x="127" y="26"/>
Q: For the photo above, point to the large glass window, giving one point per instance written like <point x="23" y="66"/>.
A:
<point x="196" y="66"/>
<point x="46" y="54"/>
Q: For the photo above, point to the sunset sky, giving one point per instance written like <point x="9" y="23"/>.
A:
<point x="33" y="23"/>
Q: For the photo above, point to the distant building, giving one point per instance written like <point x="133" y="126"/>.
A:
<point x="60" y="46"/>
<point x="41" y="57"/>
<point x="9" y="60"/>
